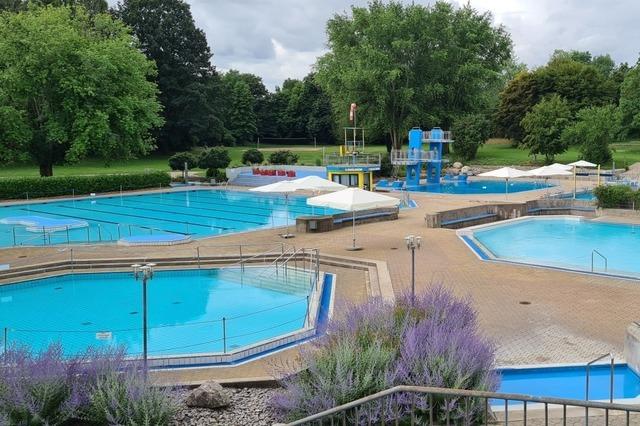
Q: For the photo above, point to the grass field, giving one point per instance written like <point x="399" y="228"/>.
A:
<point x="496" y="152"/>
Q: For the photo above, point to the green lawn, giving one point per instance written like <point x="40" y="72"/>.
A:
<point x="500" y="153"/>
<point x="496" y="152"/>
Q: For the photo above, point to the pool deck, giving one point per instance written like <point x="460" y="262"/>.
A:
<point x="571" y="317"/>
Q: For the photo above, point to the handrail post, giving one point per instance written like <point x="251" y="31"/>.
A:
<point x="224" y="335"/>
<point x="611" y="381"/>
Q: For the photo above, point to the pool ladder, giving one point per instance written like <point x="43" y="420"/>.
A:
<point x="606" y="261"/>
<point x="612" y="371"/>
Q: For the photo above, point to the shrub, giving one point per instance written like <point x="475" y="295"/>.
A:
<point x="16" y="188"/>
<point x="616" y="196"/>
<point x="386" y="168"/>
<point x="176" y="161"/>
<point x="252" y="156"/>
<point x="97" y="387"/>
<point x="214" y="158"/>
<point x="431" y="342"/>
<point x="217" y="174"/>
<point x="283" y="157"/>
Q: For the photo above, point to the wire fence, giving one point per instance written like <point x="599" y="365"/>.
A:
<point x="289" y="276"/>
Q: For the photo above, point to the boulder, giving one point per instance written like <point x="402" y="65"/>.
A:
<point x="208" y="395"/>
<point x="457" y="165"/>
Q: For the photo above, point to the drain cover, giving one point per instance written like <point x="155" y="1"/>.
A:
<point x="133" y="313"/>
<point x="524" y="302"/>
<point x="87" y="323"/>
<point x="176" y="303"/>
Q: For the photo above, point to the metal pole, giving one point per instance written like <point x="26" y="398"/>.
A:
<point x="611" y="382"/>
<point x="44" y="236"/>
<point x="67" y="235"/>
<point x="413" y="274"/>
<point x="224" y="335"/>
<point x="14" y="235"/>
<point x="198" y="254"/>
<point x="5" y="337"/>
<point x="144" y="321"/>
<point x="242" y="263"/>
<point x="306" y="315"/>
<point x="353" y="228"/>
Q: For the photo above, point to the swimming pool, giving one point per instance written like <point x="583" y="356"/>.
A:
<point x="570" y="382"/>
<point x="479" y="187"/>
<point x="189" y="311"/>
<point x="198" y="213"/>
<point x="561" y="241"/>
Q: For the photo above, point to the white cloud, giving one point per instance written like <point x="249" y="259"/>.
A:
<point x="277" y="39"/>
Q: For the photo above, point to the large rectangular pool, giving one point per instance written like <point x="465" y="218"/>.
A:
<point x="198" y="213"/>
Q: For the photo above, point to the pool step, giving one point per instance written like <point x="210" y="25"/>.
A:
<point x="294" y="281"/>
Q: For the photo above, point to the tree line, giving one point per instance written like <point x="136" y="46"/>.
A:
<point x="79" y="79"/>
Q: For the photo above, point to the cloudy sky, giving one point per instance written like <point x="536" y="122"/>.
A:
<point x="277" y="39"/>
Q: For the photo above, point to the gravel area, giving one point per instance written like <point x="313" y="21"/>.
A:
<point x="249" y="406"/>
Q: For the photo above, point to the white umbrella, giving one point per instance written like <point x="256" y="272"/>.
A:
<point x="353" y="200"/>
<point x="580" y="163"/>
<point x="280" y="187"/>
<point x="505" y="173"/>
<point x="547" y="171"/>
<point x="316" y="183"/>
<point x="562" y="166"/>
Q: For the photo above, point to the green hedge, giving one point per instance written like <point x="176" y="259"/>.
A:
<point x="617" y="196"/>
<point x="36" y="187"/>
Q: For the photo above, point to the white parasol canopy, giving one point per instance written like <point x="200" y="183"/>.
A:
<point x="562" y="166"/>
<point x="505" y="173"/>
<point x="316" y="183"/>
<point x="547" y="171"/>
<point x="280" y="187"/>
<point x="582" y="163"/>
<point x="353" y="200"/>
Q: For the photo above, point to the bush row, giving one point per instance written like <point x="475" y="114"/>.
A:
<point x="95" y="388"/>
<point x="617" y="196"/>
<point x="18" y="188"/>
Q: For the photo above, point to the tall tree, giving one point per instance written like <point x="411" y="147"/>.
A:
<point x="543" y="127"/>
<point x="630" y="101"/>
<point x="189" y="85"/>
<point x="239" y="116"/>
<point x="92" y="6"/>
<point x="410" y="64"/>
<point x="72" y="85"/>
<point x="594" y="130"/>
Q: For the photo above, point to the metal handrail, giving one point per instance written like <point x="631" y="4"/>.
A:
<point x="426" y="391"/>
<point x="590" y="363"/>
<point x="606" y="262"/>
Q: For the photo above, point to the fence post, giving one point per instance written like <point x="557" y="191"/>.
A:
<point x="198" y="255"/>
<point x="241" y="260"/>
<point x="14" y="235"/>
<point x="71" y="258"/>
<point x="68" y="241"/>
<point x="224" y="335"/>
<point x="5" y="345"/>
<point x="306" y="315"/>
<point x="99" y="233"/>
<point x="88" y="235"/>
<point x="44" y="237"/>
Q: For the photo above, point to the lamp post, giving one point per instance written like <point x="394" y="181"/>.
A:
<point x="144" y="272"/>
<point x="413" y="242"/>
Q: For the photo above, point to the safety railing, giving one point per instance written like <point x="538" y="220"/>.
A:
<point x="611" y="373"/>
<point x="595" y="252"/>
<point x="420" y="405"/>
<point x="353" y="160"/>
<point x="405" y="157"/>
<point x="440" y="135"/>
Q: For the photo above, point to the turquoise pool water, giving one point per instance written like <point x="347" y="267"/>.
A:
<point x="565" y="242"/>
<point x="570" y="382"/>
<point x="185" y="310"/>
<point x="481" y="187"/>
<point x="199" y="213"/>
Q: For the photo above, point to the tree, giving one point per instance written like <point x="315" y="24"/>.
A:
<point x="630" y="101"/>
<point x="471" y="131"/>
<point x="189" y="85"/>
<point x="411" y="64"/>
<point x="239" y="115"/>
<point x="72" y="85"/>
<point x="178" y="160"/>
<point x="544" y="125"/>
<point x="517" y="99"/>
<point x="594" y="129"/>
<point x="92" y="6"/>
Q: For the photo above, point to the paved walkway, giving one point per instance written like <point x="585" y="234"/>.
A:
<point x="569" y="317"/>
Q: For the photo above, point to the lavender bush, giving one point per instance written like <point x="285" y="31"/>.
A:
<point x="96" y="388"/>
<point x="433" y="341"/>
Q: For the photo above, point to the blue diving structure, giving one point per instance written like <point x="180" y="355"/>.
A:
<point x="416" y="155"/>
